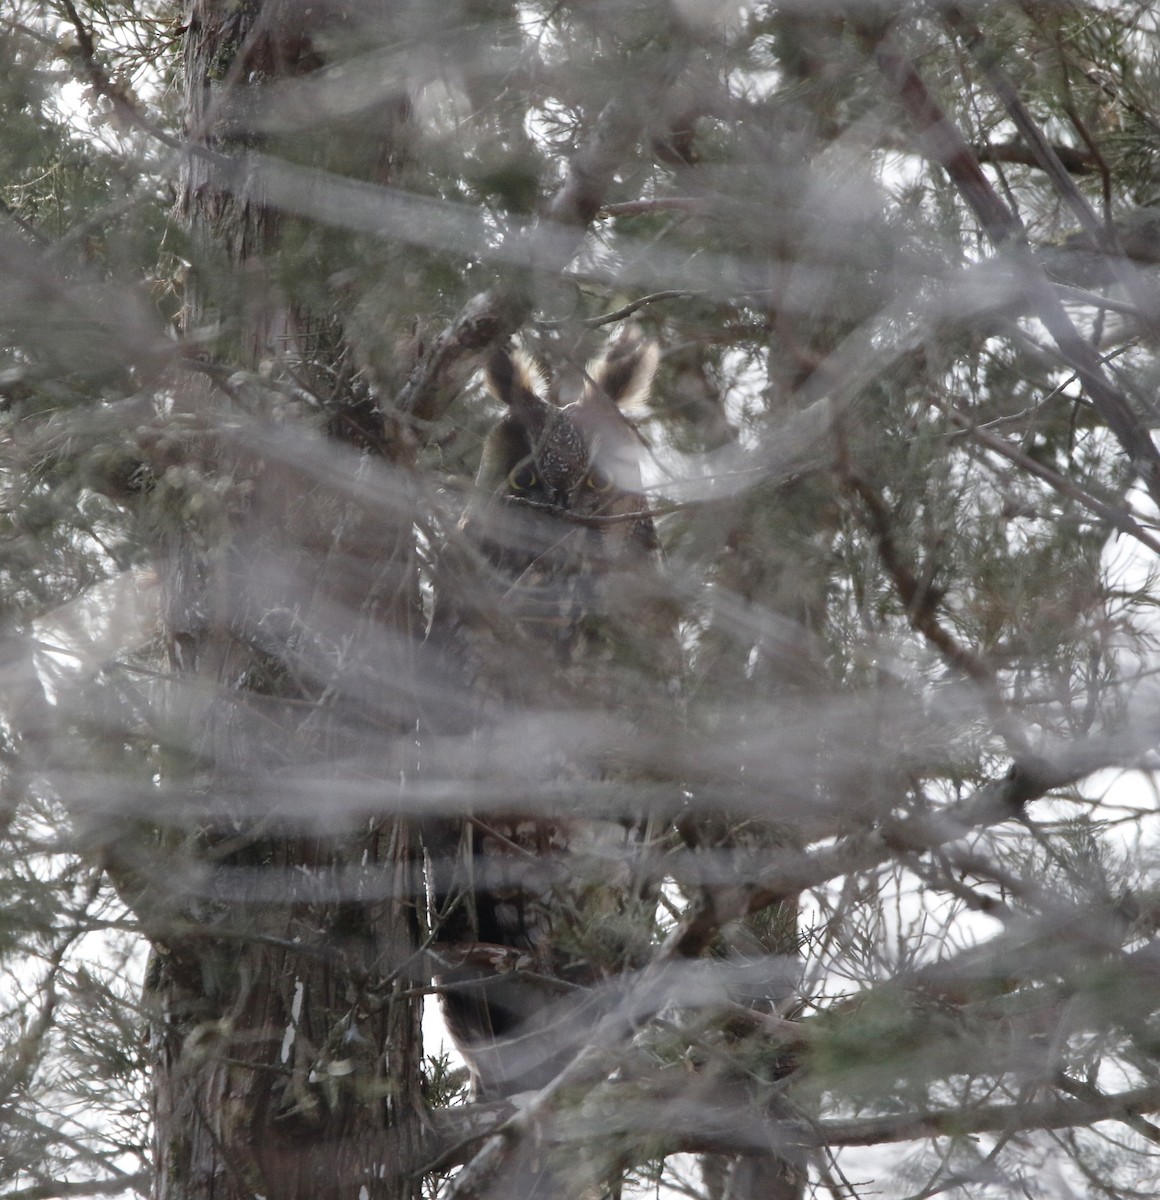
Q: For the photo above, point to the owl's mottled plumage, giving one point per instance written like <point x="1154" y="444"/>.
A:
<point x="560" y="569"/>
<point x="579" y="464"/>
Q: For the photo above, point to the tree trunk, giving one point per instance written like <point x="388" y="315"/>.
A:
<point x="286" y="1043"/>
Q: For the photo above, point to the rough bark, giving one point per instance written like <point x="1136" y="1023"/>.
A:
<point x="285" y="1044"/>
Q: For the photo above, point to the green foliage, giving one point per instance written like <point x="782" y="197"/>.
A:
<point x="897" y="522"/>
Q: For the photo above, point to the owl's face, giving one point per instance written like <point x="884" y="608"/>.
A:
<point x="566" y="480"/>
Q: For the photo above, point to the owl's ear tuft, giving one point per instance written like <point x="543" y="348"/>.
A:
<point x="624" y="372"/>
<point x="513" y="378"/>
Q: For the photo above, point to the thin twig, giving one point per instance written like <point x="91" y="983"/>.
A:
<point x="618" y="314"/>
<point x="633" y="208"/>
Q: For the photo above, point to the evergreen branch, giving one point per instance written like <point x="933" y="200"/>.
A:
<point x="125" y="110"/>
<point x="1113" y="93"/>
<point x="942" y="140"/>
<point x="24" y="226"/>
<point x="1079" y="295"/>
<point x="13" y="1117"/>
<point x="1092" y="1095"/>
<point x="493" y="316"/>
<point x="1042" y="151"/>
<point x="1102" y="234"/>
<point x="939" y="138"/>
<point x="986" y="1118"/>
<point x="921" y="601"/>
<point x="1093" y="148"/>
<point x="29" y="1045"/>
<point x="997" y="802"/>
<point x="1118" y="516"/>
<point x="992" y="804"/>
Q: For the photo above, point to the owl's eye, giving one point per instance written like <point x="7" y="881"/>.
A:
<point x="522" y="477"/>
<point x="598" y="481"/>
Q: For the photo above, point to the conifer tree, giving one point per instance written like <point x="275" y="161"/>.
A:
<point x="897" y="779"/>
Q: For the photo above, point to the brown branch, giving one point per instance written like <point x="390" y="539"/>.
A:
<point x="987" y="1118"/>
<point x="674" y="1124"/>
<point x="1080" y="126"/>
<point x="1073" y="160"/>
<point x="939" y="138"/>
<point x="791" y="872"/>
<point x="1092" y="1095"/>
<point x="1041" y="149"/>
<point x="488" y="317"/>
<point x="116" y="1184"/>
<point x="920" y="600"/>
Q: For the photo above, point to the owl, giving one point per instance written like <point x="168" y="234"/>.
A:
<point x="559" y="511"/>
<point x="579" y="463"/>
<point x="536" y="910"/>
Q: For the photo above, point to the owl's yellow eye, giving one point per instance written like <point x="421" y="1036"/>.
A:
<point x="522" y="477"/>
<point x="598" y="481"/>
